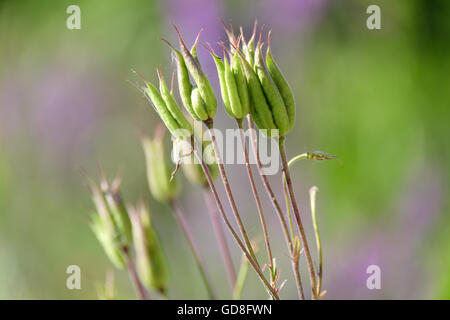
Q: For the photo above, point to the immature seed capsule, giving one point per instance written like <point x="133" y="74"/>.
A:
<point x="178" y="130"/>
<point x="162" y="187"/>
<point x="282" y="85"/>
<point x="198" y="105"/>
<point x="102" y="233"/>
<point x="151" y="261"/>
<point x="223" y="86"/>
<point x="241" y="83"/>
<point x="184" y="84"/>
<point x="260" y="110"/>
<point x="105" y="228"/>
<point x="204" y="87"/>
<point x="272" y="94"/>
<point x="117" y="209"/>
<point x="172" y="105"/>
<point x="233" y="95"/>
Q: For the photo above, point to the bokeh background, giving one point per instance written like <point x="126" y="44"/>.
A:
<point x="379" y="99"/>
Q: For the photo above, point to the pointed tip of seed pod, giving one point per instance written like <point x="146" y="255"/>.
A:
<point x="255" y="26"/>
<point x="197" y="38"/>
<point x="160" y="75"/>
<point x="139" y="75"/>
<point x="230" y="31"/>
<point x="170" y="45"/>
<point x="208" y="47"/>
<point x="260" y="34"/>
<point x="88" y="182"/>
<point x="135" y="84"/>
<point x="268" y="39"/>
<point x="115" y="184"/>
<point x="180" y="38"/>
<point x="238" y="41"/>
<point x="103" y="181"/>
<point x="241" y="31"/>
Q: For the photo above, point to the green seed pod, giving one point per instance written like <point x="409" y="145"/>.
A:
<point x="158" y="172"/>
<point x="198" y="105"/>
<point x="104" y="226"/>
<point x="272" y="94"/>
<point x="117" y="209"/>
<point x="151" y="261"/>
<point x="223" y="86"/>
<point x="193" y="50"/>
<point x="103" y="234"/>
<point x="203" y="84"/>
<point x="173" y="106"/>
<point x="282" y="85"/>
<point x="241" y="83"/>
<point x="259" y="108"/>
<point x="184" y="84"/>
<point x="248" y="47"/>
<point x="166" y="116"/>
<point x="233" y="95"/>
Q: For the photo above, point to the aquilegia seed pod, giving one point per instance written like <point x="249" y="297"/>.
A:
<point x="151" y="261"/>
<point x="117" y="208"/>
<point x="235" y="98"/>
<point x="272" y="94"/>
<point x="259" y="108"/>
<point x="188" y="62"/>
<point x="282" y="84"/>
<point x="104" y="226"/>
<point x="162" y="187"/>
<point x="167" y="108"/>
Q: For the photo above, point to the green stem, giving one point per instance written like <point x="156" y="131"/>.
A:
<point x="249" y="257"/>
<point x="277" y="208"/>
<point x="313" y="192"/>
<point x="256" y="196"/>
<point x="209" y="123"/>
<point x="303" y="238"/>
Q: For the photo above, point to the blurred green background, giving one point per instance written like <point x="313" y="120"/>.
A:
<point x="379" y="99"/>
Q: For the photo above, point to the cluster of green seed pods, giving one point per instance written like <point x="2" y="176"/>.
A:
<point x="111" y="223"/>
<point x="167" y="108"/>
<point x="162" y="186"/>
<point x="199" y="100"/>
<point x="151" y="261"/>
<point x="271" y="101"/>
<point x="233" y="85"/>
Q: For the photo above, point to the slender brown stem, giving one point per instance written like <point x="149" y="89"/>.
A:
<point x="141" y="292"/>
<point x="209" y="123"/>
<point x="255" y="194"/>
<point x="252" y="262"/>
<point x="277" y="208"/>
<point x="179" y="215"/>
<point x="220" y="236"/>
<point x="298" y="280"/>
<point x="301" y="230"/>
